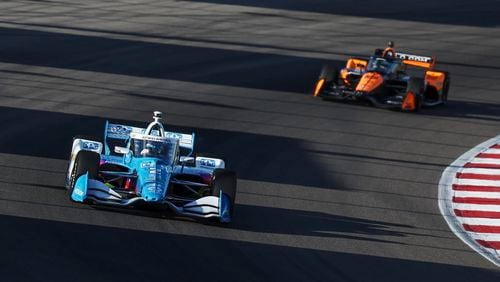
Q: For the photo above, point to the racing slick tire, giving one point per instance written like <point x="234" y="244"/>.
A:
<point x="432" y="93"/>
<point x="86" y="161"/>
<point x="416" y="85"/>
<point x="329" y="75"/>
<point x="446" y="87"/>
<point x="225" y="180"/>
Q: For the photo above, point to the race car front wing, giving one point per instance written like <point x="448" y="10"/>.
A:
<point x="91" y="190"/>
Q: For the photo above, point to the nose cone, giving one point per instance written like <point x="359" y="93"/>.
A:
<point x="154" y="177"/>
<point x="369" y="82"/>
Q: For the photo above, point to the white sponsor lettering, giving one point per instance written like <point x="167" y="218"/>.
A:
<point x="147" y="137"/>
<point x="415" y="58"/>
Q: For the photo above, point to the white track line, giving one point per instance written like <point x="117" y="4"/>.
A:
<point x="492" y="151"/>
<point x="487" y="171"/>
<point x="467" y="194"/>
<point x="476" y="182"/>
<point x="474" y="207"/>
<point x="485" y="236"/>
<point x="480" y="221"/>
<point x="485" y="161"/>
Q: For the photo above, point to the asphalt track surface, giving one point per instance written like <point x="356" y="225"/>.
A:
<point x="327" y="191"/>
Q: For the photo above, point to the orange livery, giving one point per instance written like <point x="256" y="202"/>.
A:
<point x="385" y="80"/>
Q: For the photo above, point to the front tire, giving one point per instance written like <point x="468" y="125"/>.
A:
<point x="415" y="86"/>
<point x="329" y="75"/>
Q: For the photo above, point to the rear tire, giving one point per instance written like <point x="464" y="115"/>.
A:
<point x="225" y="181"/>
<point x="431" y="93"/>
<point x="86" y="161"/>
<point x="446" y="88"/>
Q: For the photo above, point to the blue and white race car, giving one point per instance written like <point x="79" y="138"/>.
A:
<point x="149" y="169"/>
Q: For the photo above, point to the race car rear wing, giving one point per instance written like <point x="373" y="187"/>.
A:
<point x="119" y="132"/>
<point x="416" y="60"/>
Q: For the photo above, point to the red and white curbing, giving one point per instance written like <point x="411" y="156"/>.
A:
<point x="469" y="198"/>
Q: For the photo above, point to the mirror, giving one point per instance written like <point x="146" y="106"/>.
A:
<point x="121" y="150"/>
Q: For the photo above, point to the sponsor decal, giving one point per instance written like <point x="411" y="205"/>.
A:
<point x="415" y="58"/>
<point x="147" y="164"/>
<point x="79" y="192"/>
<point x="92" y="146"/>
<point x="173" y="135"/>
<point x="120" y="129"/>
<point x="207" y="162"/>
<point x="152" y="188"/>
<point x="147" y="137"/>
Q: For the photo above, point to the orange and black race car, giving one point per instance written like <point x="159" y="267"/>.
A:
<point x="384" y="81"/>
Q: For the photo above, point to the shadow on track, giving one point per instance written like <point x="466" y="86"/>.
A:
<point x="316" y="224"/>
<point x="49" y="135"/>
<point x="475" y="111"/>
<point x="249" y="218"/>
<point x="88" y="252"/>
<point x="481" y="13"/>
<point x="163" y="61"/>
